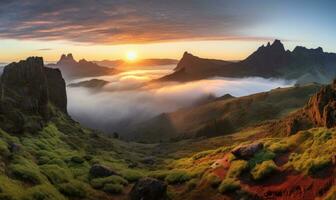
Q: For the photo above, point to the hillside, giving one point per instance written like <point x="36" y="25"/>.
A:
<point x="224" y="115"/>
<point x="302" y="64"/>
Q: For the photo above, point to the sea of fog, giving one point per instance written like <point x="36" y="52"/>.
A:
<point x="129" y="99"/>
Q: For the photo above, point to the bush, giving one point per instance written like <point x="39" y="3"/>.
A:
<point x="131" y="175"/>
<point x="56" y="174"/>
<point x="175" y="177"/>
<point x="236" y="168"/>
<point x="99" y="183"/>
<point x="25" y="173"/>
<point x="263" y="169"/>
<point x="213" y="180"/>
<point x="228" y="185"/>
<point x="42" y="192"/>
<point x="113" y="188"/>
<point x="73" y="189"/>
<point x="260" y="157"/>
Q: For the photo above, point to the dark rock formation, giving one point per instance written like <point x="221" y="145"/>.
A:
<point x="247" y="151"/>
<point x="98" y="170"/>
<point x="72" y="69"/>
<point x="28" y="90"/>
<point x="272" y="60"/>
<point x="149" y="189"/>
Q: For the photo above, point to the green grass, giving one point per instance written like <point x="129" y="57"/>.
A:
<point x="236" y="168"/>
<point x="99" y="183"/>
<point x="228" y="185"/>
<point x="56" y="174"/>
<point x="178" y="176"/>
<point x="73" y="189"/>
<point x="113" y="188"/>
<point x="263" y="169"/>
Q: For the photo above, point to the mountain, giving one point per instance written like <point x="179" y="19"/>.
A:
<point x="92" y="83"/>
<point x="72" y="69"/>
<point x="223" y="115"/>
<point x="270" y="61"/>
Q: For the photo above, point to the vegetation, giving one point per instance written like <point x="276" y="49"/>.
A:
<point x="263" y="169"/>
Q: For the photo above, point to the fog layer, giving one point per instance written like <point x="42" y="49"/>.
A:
<point x="128" y="99"/>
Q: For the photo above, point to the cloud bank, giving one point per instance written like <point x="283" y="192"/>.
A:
<point x="126" y="100"/>
<point x="127" y="21"/>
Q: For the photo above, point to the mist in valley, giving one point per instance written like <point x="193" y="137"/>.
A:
<point x="129" y="99"/>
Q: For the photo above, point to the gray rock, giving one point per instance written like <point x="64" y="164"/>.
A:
<point x="247" y="151"/>
<point x="149" y="189"/>
<point x="98" y="170"/>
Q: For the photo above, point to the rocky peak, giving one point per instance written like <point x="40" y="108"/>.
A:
<point x="186" y="60"/>
<point x="304" y="50"/>
<point x="29" y="88"/>
<point x="66" y="59"/>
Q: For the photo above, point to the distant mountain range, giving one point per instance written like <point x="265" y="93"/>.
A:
<point x="270" y="61"/>
<point x="71" y="69"/>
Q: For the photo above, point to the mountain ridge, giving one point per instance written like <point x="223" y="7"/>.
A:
<point x="270" y="61"/>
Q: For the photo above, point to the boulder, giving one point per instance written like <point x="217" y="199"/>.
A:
<point x="247" y="151"/>
<point x="149" y="189"/>
<point x="98" y="170"/>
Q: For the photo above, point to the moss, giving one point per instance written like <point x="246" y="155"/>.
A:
<point x="56" y="174"/>
<point x="131" y="175"/>
<point x="42" y="192"/>
<point x="260" y="157"/>
<point x="73" y="189"/>
<point x="99" y="183"/>
<point x="236" y="168"/>
<point x="228" y="185"/>
<point x="263" y="169"/>
<point x="26" y="174"/>
<point x="279" y="147"/>
<point x="191" y="184"/>
<point x="9" y="187"/>
<point x="213" y="180"/>
<point x="160" y="174"/>
<point x="202" y="154"/>
<point x="177" y="176"/>
<point x="113" y="188"/>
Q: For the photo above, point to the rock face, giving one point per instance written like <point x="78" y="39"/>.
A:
<point x="29" y="89"/>
<point x="149" y="189"/>
<point x="247" y="151"/>
<point x="98" y="170"/>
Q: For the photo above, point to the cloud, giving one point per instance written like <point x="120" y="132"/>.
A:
<point x="126" y="101"/>
<point x="127" y="21"/>
<point x="44" y="49"/>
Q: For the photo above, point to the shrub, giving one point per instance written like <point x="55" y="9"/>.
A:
<point x="192" y="184"/>
<point x="161" y="175"/>
<point x="56" y="174"/>
<point x="228" y="185"/>
<point x="99" y="183"/>
<point x="175" y="177"/>
<point x="25" y="173"/>
<point x="279" y="147"/>
<point x="213" y="180"/>
<point x="113" y="188"/>
<point x="202" y="154"/>
<point x="131" y="175"/>
<point x="236" y="168"/>
<point x="73" y="189"/>
<point x="260" y="157"/>
<point x="263" y="169"/>
<point x="42" y="192"/>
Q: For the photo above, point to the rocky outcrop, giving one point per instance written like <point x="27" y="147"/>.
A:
<point x="28" y="92"/>
<point x="247" y="151"/>
<point x="98" y="170"/>
<point x="149" y="189"/>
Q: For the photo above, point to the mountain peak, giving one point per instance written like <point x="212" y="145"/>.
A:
<point x="277" y="45"/>
<point x="65" y="59"/>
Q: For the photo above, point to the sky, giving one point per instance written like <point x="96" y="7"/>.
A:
<point x="108" y="29"/>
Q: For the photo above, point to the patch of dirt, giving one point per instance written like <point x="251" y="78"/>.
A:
<point x="290" y="185"/>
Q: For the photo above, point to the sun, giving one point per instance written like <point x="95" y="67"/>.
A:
<point x="131" y="56"/>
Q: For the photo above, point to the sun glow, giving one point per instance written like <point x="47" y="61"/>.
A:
<point x="131" y="56"/>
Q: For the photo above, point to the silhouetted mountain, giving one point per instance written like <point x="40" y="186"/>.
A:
<point x="72" y="69"/>
<point x="29" y="90"/>
<point x="270" y="61"/>
<point x="93" y="83"/>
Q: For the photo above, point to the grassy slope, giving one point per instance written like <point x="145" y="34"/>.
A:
<point x="226" y="116"/>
